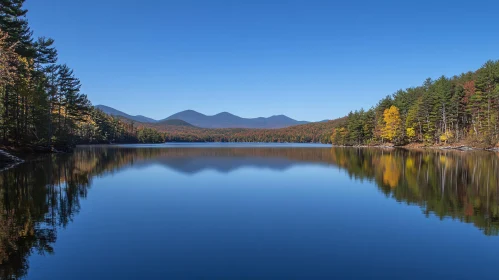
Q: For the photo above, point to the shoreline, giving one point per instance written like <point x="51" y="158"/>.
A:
<point x="9" y="160"/>
<point x="463" y="148"/>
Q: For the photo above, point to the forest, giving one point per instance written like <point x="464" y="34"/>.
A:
<point x="463" y="109"/>
<point x="42" y="107"/>
<point x="41" y="103"/>
<point x="319" y="132"/>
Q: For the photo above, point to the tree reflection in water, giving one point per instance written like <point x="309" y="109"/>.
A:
<point x="39" y="197"/>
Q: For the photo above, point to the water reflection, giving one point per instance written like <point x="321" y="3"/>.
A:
<point x="41" y="196"/>
<point x="37" y="198"/>
<point x="224" y="160"/>
<point x="461" y="185"/>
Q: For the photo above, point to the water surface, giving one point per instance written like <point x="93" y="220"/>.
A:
<point x="241" y="211"/>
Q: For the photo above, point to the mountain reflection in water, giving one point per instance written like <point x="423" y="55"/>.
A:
<point x="39" y="197"/>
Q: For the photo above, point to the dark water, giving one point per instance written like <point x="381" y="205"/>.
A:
<point x="251" y="212"/>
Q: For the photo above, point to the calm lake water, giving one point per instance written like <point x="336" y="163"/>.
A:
<point x="221" y="211"/>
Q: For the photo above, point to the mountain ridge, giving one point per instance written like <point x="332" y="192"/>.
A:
<point x="220" y="120"/>
<point x="114" y="112"/>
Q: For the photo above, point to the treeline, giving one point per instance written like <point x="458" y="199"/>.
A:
<point x="40" y="99"/>
<point x="461" y="109"/>
<point x="105" y="129"/>
<point x="307" y="133"/>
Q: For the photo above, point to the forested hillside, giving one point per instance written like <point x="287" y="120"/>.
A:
<point x="113" y="112"/>
<point x="41" y="105"/>
<point x="41" y="102"/>
<point x="319" y="132"/>
<point x="462" y="109"/>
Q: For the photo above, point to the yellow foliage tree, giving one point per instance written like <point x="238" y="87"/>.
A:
<point x="411" y="132"/>
<point x="446" y="136"/>
<point x="393" y="124"/>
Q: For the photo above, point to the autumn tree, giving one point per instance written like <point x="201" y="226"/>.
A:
<point x="446" y="110"/>
<point x="393" y="125"/>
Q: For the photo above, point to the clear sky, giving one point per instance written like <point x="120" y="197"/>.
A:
<point x="310" y="60"/>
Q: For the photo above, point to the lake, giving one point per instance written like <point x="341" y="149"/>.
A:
<point x="251" y="211"/>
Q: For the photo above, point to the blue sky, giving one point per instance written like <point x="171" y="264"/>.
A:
<point x="310" y="60"/>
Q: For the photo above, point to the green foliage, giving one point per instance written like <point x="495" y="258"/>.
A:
<point x="446" y="110"/>
<point x="149" y="135"/>
<point x="41" y="102"/>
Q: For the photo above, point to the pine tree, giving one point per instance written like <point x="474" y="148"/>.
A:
<point x="486" y="87"/>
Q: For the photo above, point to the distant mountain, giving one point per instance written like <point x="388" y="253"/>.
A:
<point x="228" y="120"/>
<point x="114" y="112"/>
<point x="176" y="122"/>
<point x="220" y="120"/>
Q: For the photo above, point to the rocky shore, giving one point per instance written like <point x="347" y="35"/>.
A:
<point x="419" y="146"/>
